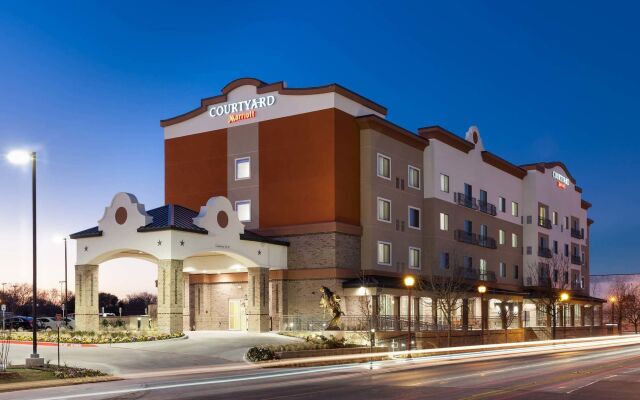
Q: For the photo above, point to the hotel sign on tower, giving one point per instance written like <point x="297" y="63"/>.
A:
<point x="241" y="110"/>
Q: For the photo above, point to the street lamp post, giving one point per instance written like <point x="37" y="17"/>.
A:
<point x="65" y="298"/>
<point x="409" y="281"/>
<point x="19" y="157"/>
<point x="482" y="289"/>
<point x="564" y="297"/>
<point x="612" y="299"/>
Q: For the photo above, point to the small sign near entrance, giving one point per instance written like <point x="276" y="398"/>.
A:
<point x="58" y="320"/>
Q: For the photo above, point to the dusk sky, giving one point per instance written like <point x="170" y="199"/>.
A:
<point x="86" y="86"/>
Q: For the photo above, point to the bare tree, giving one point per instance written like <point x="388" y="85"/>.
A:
<point x="620" y="290"/>
<point x="507" y="315"/>
<point x="449" y="289"/>
<point x="549" y="279"/>
<point x="631" y="311"/>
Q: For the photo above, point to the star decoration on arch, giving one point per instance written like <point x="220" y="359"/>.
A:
<point x="159" y="242"/>
<point x="182" y="243"/>
<point x="259" y="252"/>
<point x="86" y="248"/>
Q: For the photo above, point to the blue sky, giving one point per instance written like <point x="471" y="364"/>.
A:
<point x="86" y="85"/>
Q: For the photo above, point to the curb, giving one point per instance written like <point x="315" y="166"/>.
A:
<point x="54" y="344"/>
<point x="11" y="387"/>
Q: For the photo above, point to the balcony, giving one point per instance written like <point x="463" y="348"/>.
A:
<point x="545" y="252"/>
<point x="478" y="240"/>
<point x="476" y="275"/>
<point x="541" y="281"/>
<point x="544" y="222"/>
<point x="576" y="285"/>
<point x="463" y="200"/>
<point x="576" y="260"/>
<point x="487" y="208"/>
<point x="577" y="233"/>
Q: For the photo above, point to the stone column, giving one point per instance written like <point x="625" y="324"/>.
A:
<point x="465" y="314"/>
<point x="170" y="296"/>
<point x="186" y="306"/>
<point x="520" y="314"/>
<point x="278" y="303"/>
<point x="375" y="311"/>
<point x="258" y="300"/>
<point x="87" y="307"/>
<point x="396" y="312"/>
<point x="572" y="315"/>
<point x="415" y="314"/>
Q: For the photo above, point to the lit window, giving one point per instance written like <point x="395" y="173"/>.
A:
<point x="384" y="167"/>
<point x="503" y="270"/>
<point x="243" y="168"/>
<point x="384" y="210"/>
<point x="243" y="208"/>
<point x="384" y="253"/>
<point x="483" y="269"/>
<point x="502" y="204"/>
<point x="414" y="177"/>
<point x="501" y="236"/>
<point x="444" y="222"/>
<point x="414" y="217"/>
<point x="514" y="208"/>
<point x="514" y="240"/>
<point x="415" y="261"/>
<point x="444" y="183"/>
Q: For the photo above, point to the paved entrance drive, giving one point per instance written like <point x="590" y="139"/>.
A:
<point x="201" y="349"/>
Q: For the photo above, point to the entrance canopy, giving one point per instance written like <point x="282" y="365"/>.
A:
<point x="211" y="241"/>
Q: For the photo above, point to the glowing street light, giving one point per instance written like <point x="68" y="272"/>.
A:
<point x="409" y="281"/>
<point x="482" y="289"/>
<point x="564" y="296"/>
<point x="22" y="157"/>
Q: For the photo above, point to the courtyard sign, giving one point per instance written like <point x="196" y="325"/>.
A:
<point x="562" y="181"/>
<point x="241" y="110"/>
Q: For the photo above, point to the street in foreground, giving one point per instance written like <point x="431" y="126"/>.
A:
<point x="605" y="373"/>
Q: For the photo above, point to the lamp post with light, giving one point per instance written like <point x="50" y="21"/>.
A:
<point x="482" y="289"/>
<point x="613" y="299"/>
<point x="564" y="297"/>
<point x="58" y="239"/>
<point x="409" y="281"/>
<point x="20" y="157"/>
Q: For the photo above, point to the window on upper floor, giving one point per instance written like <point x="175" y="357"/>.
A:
<point x="413" y="179"/>
<point x="555" y="247"/>
<point x="414" y="218"/>
<point x="243" y="168"/>
<point x="415" y="258"/>
<point x="516" y="272"/>
<point x="384" y="166"/>
<point x="444" y="260"/>
<point x="384" y="210"/>
<point x="514" y="209"/>
<point x="444" y="222"/>
<point x="502" y="204"/>
<point x="566" y="222"/>
<point x="555" y="275"/>
<point x="444" y="183"/>
<point x="483" y="269"/>
<point x="501" y="236"/>
<point x="503" y="270"/>
<point x="554" y="218"/>
<point x="243" y="208"/>
<point x="384" y="253"/>
<point x="514" y="240"/>
<point x="566" y="250"/>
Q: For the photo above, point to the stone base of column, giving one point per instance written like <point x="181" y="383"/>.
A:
<point x="169" y="323"/>
<point x="34" y="361"/>
<point x="87" y="322"/>
<point x="259" y="323"/>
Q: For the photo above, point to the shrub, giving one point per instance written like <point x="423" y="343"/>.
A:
<point x="261" y="353"/>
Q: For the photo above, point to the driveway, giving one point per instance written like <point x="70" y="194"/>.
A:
<point x="201" y="349"/>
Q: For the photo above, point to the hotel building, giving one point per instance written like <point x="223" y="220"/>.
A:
<point x="272" y="192"/>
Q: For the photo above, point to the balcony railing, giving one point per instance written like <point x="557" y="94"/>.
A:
<point x="576" y="285"/>
<point x="472" y="238"/>
<point x="477" y="275"/>
<point x="577" y="233"/>
<point x="544" y="222"/>
<point x="541" y="281"/>
<point x="463" y="200"/>
<point x="487" y="208"/>
<point x="545" y="252"/>
<point x="577" y="260"/>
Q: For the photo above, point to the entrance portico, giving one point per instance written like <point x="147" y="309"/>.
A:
<point x="181" y="242"/>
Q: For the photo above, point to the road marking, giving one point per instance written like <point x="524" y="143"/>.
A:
<point x="590" y="383"/>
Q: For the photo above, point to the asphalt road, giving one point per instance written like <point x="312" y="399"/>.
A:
<point x="609" y="373"/>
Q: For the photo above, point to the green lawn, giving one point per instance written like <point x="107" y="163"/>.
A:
<point x="16" y="375"/>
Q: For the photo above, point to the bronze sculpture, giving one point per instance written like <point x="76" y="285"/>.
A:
<point x="331" y="301"/>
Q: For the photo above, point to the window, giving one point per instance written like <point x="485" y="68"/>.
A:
<point x="243" y="168"/>
<point x="565" y="277"/>
<point x="555" y="247"/>
<point x="468" y="191"/>
<point x="514" y="209"/>
<point x="468" y="226"/>
<point x="414" y="218"/>
<point x="414" y="177"/>
<point x="566" y="222"/>
<point x="566" y="250"/>
<point x="384" y="253"/>
<point x="243" y="208"/>
<point x="483" y="196"/>
<point x="502" y="204"/>
<point x="415" y="256"/>
<point x="501" y="237"/>
<point x="444" y="260"/>
<point x="444" y="222"/>
<point x="516" y="272"/>
<point x="554" y="218"/>
<point x="555" y="275"/>
<point x="514" y="240"/>
<point x="444" y="183"/>
<point x="483" y="231"/>
<point x="503" y="270"/>
<point x="384" y="210"/>
<point x="384" y="166"/>
<point x="483" y="269"/>
<point x="467" y="262"/>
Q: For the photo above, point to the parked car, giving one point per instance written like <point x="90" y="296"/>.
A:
<point x="69" y="323"/>
<point x="107" y="314"/>
<point x="48" y="323"/>
<point x="21" y="324"/>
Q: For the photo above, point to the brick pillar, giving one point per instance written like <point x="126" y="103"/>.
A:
<point x="375" y="311"/>
<point x="484" y="314"/>
<point x="572" y="315"/>
<point x="258" y="300"/>
<point x="434" y="311"/>
<point x="465" y="314"/>
<point x="170" y="296"/>
<point x="416" y="312"/>
<point x="278" y="303"/>
<point x="87" y="307"/>
<point x="186" y="306"/>
<point x="520" y="314"/>
<point x="396" y="312"/>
